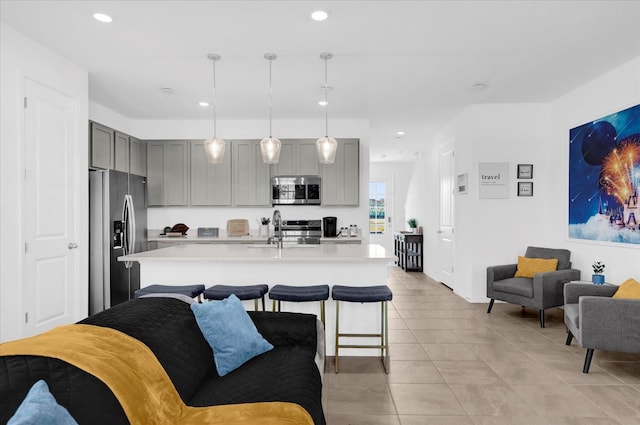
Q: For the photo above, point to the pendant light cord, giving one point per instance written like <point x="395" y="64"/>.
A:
<point x="326" y="106"/>
<point x="214" y="98"/>
<point x="270" y="99"/>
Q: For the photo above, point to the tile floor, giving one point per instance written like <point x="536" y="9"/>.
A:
<point x="453" y="364"/>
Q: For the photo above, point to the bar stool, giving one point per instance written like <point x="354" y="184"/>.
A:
<point x="299" y="294"/>
<point x="193" y="291"/>
<point x="243" y="292"/>
<point x="364" y="294"/>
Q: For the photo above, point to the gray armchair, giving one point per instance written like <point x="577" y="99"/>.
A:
<point x="542" y="291"/>
<point x="598" y="321"/>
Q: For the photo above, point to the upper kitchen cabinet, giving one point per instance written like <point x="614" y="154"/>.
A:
<point x="102" y="146"/>
<point x="297" y="158"/>
<point x="121" y="152"/>
<point x="167" y="164"/>
<point x="340" y="180"/>
<point x="210" y="183"/>
<point x="138" y="157"/>
<point x="251" y="177"/>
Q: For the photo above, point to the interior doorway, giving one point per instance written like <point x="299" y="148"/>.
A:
<point x="446" y="228"/>
<point x="380" y="211"/>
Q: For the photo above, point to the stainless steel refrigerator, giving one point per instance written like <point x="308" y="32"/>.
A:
<point x="117" y="226"/>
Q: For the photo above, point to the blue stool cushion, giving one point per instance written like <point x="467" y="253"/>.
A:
<point x="362" y="294"/>
<point x="191" y="291"/>
<point x="299" y="293"/>
<point x="247" y="292"/>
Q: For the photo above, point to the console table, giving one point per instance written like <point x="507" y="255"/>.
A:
<point x="408" y="248"/>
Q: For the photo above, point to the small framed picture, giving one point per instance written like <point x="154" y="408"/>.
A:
<point x="525" y="171"/>
<point x="462" y="183"/>
<point x="525" y="188"/>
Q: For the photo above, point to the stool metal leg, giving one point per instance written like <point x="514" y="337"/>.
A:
<point x="255" y="304"/>
<point x="263" y="307"/>
<point x="337" y="334"/>
<point x="322" y="312"/>
<point x="385" y="336"/>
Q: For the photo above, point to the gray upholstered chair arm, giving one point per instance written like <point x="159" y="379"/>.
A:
<point x="504" y="271"/>
<point x="550" y="284"/>
<point x="572" y="291"/>
<point x="610" y="323"/>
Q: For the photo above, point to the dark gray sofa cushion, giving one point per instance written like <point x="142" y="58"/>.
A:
<point x="515" y="285"/>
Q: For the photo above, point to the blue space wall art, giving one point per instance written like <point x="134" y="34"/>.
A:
<point x="604" y="173"/>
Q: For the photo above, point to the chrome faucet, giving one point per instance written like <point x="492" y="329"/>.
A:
<point x="277" y="223"/>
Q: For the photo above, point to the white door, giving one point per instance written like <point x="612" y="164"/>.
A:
<point x="49" y="208"/>
<point x="380" y="211"/>
<point x="445" y="231"/>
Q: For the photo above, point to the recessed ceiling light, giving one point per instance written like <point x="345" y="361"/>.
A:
<point x="400" y="133"/>
<point x="166" y="90"/>
<point x="102" y="17"/>
<point x="323" y="103"/>
<point x="479" y="87"/>
<point x="319" y="15"/>
<point x="203" y="104"/>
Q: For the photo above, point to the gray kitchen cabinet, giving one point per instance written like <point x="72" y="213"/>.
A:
<point x="121" y="152"/>
<point x="251" y="180"/>
<point x="167" y="165"/>
<point x="101" y="153"/>
<point x="210" y="184"/>
<point x="340" y="180"/>
<point x="138" y="157"/>
<point x="298" y="157"/>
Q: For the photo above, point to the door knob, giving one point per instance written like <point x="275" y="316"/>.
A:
<point x="73" y="245"/>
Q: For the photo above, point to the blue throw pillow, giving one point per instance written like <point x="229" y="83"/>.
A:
<point x="40" y="407"/>
<point x="230" y="332"/>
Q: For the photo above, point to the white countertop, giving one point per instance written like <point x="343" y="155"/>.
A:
<point x="264" y="253"/>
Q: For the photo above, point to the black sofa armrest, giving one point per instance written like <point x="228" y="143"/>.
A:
<point x="573" y="291"/>
<point x="287" y="329"/>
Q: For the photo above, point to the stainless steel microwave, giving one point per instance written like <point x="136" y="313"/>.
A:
<point x="295" y="190"/>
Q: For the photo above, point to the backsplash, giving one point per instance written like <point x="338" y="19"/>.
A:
<point x="194" y="217"/>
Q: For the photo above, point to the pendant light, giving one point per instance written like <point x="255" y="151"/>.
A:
<point x="214" y="146"/>
<point x="270" y="146"/>
<point x="326" y="146"/>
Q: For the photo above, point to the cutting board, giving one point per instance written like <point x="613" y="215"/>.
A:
<point x="238" y="227"/>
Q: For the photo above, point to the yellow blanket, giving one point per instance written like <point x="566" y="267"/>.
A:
<point x="141" y="385"/>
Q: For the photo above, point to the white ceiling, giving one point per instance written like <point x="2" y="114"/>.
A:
<point x="403" y="65"/>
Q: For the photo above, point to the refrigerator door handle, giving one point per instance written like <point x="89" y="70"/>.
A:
<point x="126" y="218"/>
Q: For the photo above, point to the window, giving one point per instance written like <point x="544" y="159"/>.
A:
<point x="377" y="194"/>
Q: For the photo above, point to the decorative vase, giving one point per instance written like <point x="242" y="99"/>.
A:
<point x="264" y="230"/>
<point x="598" y="279"/>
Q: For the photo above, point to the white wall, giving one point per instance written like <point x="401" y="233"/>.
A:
<point x="20" y="58"/>
<point x="617" y="90"/>
<point x="159" y="217"/>
<point x="489" y="231"/>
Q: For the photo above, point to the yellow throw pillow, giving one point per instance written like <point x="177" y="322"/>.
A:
<point x="629" y="289"/>
<point x="527" y="267"/>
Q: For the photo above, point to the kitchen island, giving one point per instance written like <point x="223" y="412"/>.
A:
<point x="249" y="264"/>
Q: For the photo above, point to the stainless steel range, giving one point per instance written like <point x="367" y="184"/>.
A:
<point x="301" y="231"/>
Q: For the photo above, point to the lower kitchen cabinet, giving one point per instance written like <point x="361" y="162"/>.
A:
<point x="167" y="176"/>
<point x="210" y="183"/>
<point x="251" y="180"/>
<point x="341" y="180"/>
